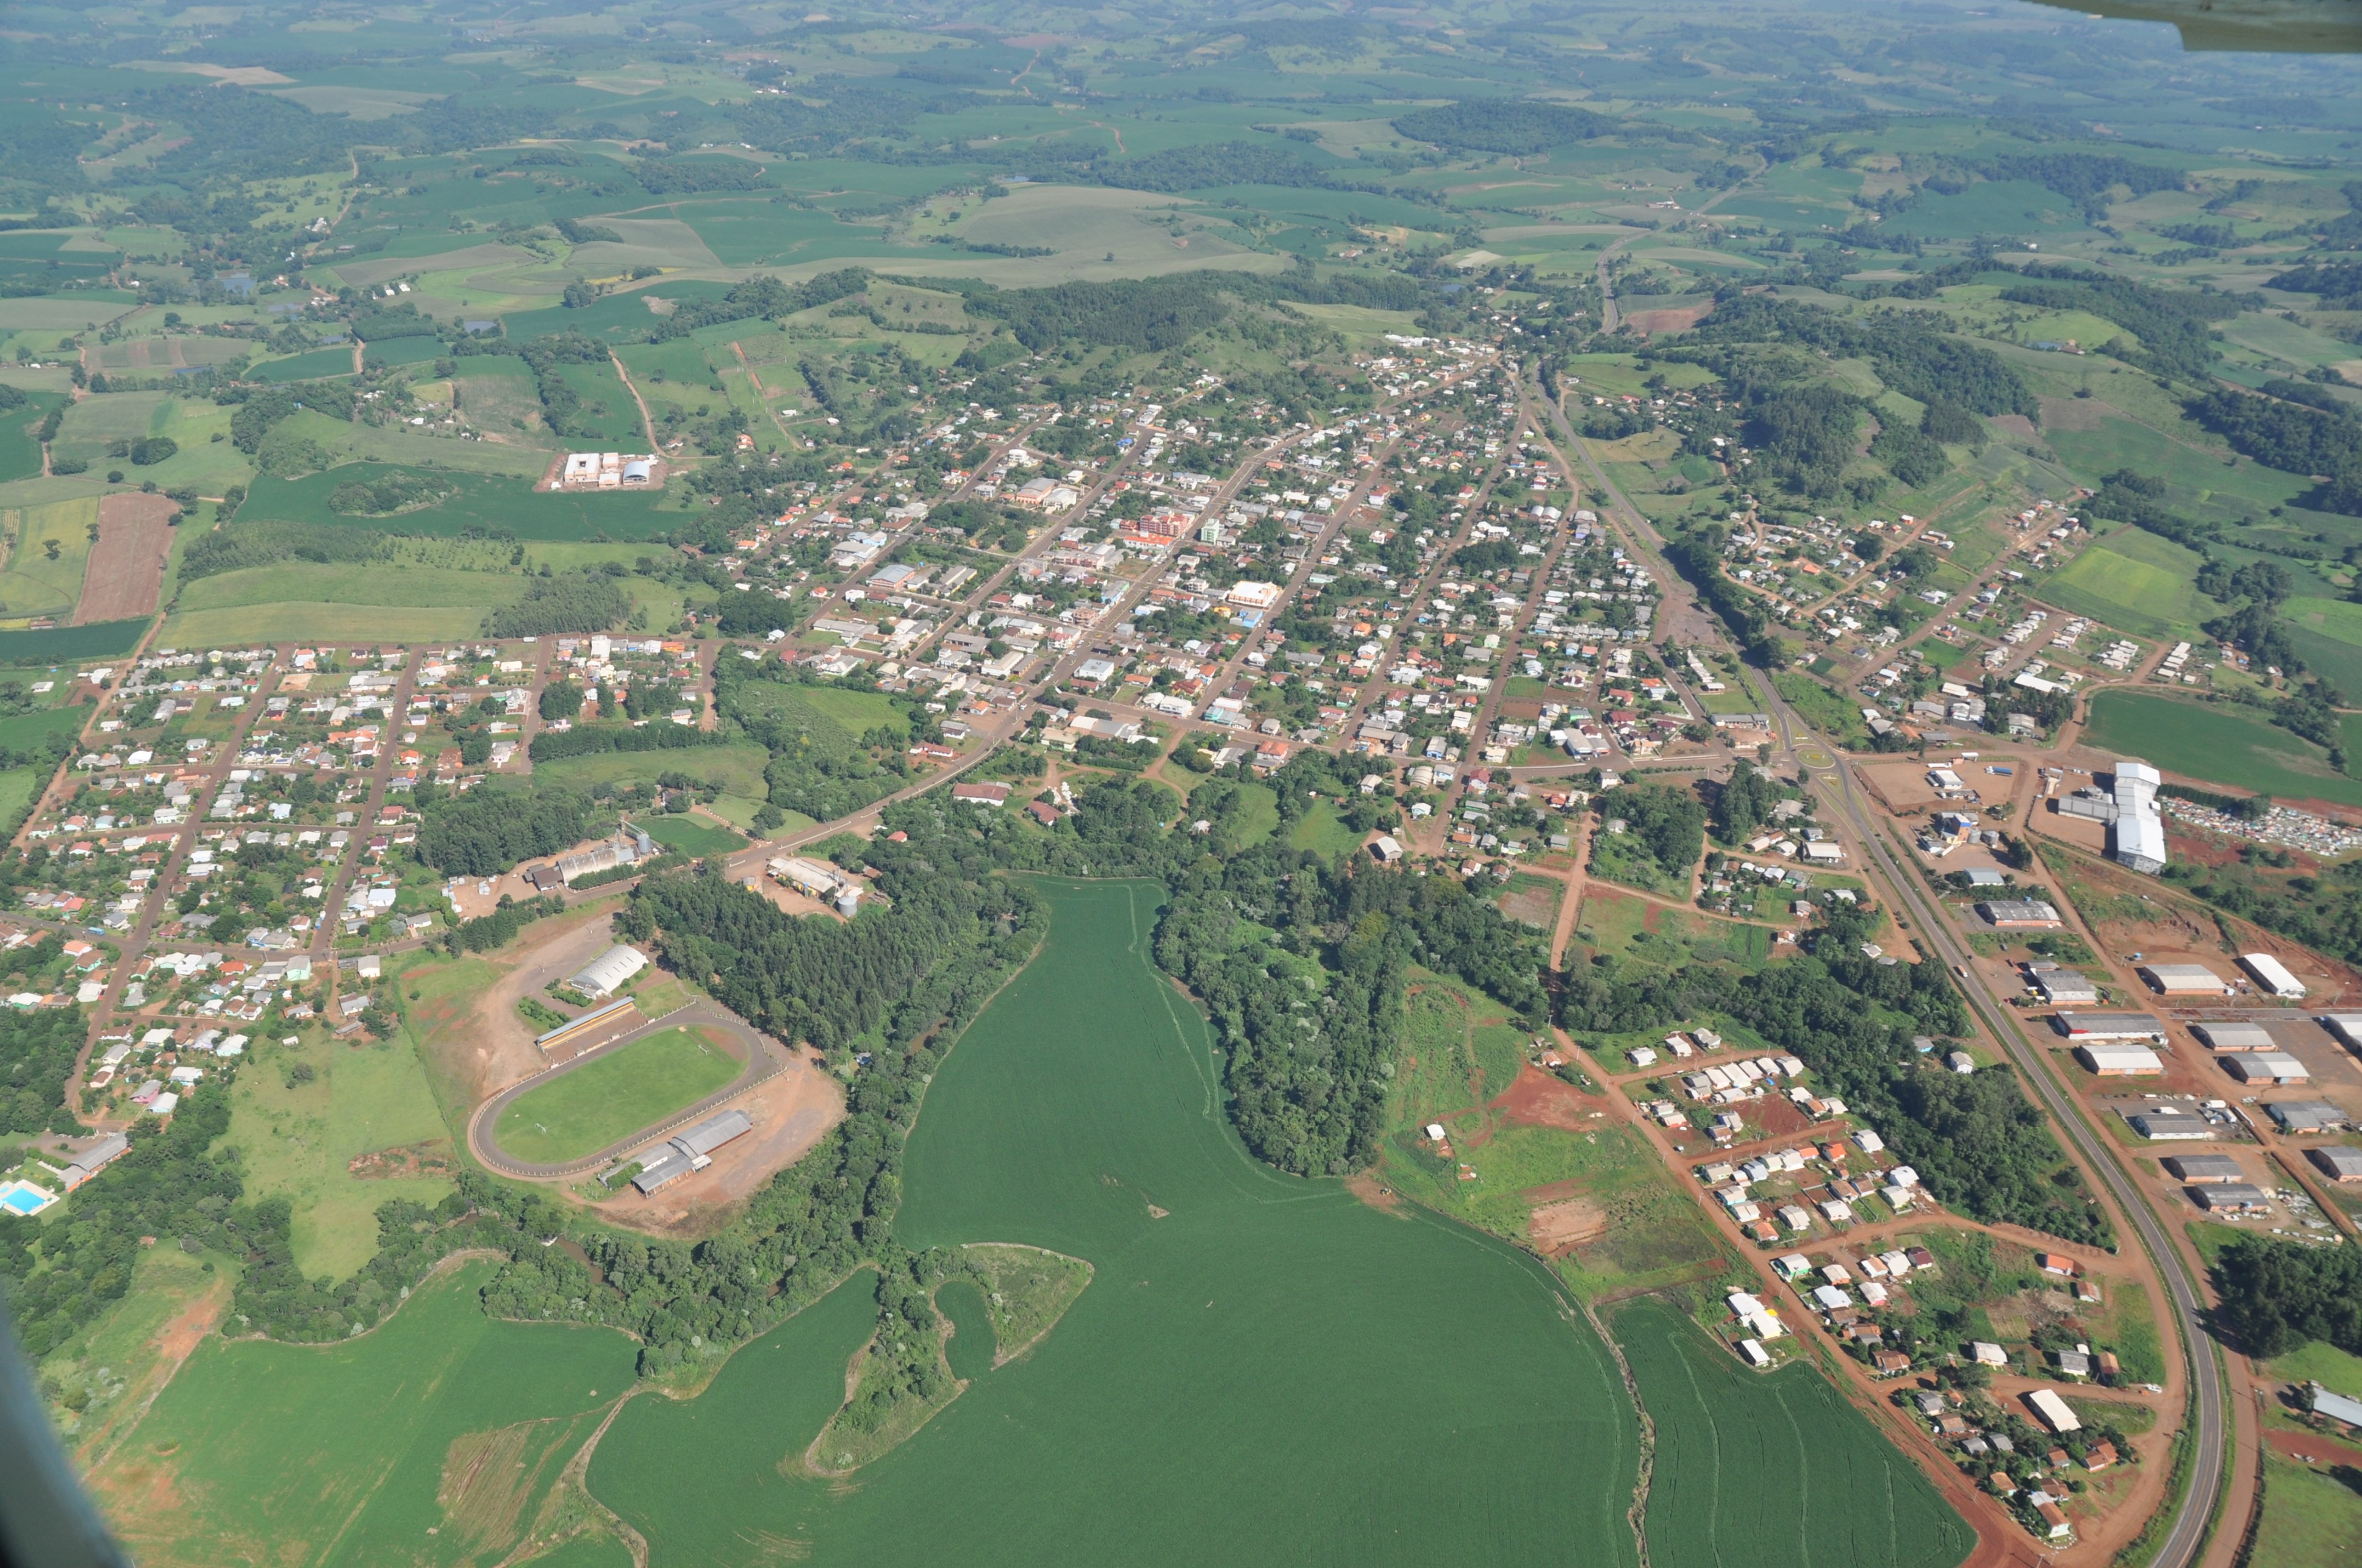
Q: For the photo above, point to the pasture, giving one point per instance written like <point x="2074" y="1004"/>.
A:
<point x="2216" y="744"/>
<point x="20" y="455"/>
<point x="1273" y="1330"/>
<point x="582" y="1111"/>
<point x="254" y="1453"/>
<point x="1323" y="830"/>
<point x="299" y="1139"/>
<point x="2328" y="635"/>
<point x="1755" y="1471"/>
<point x="48" y="549"/>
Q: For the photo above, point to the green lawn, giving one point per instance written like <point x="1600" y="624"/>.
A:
<point x="580" y="1113"/>
<point x="1323" y="832"/>
<point x="2216" y="744"/>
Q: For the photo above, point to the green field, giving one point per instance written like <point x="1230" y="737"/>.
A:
<point x="319" y="363"/>
<point x="2328" y="636"/>
<point x="1270" y="1372"/>
<point x="1764" y="1472"/>
<point x="296" y="1455"/>
<point x="20" y="455"/>
<point x="2136" y="582"/>
<point x="582" y="1111"/>
<point x="27" y="730"/>
<point x="2313" y="1513"/>
<point x="324" y="622"/>
<point x="2218" y="744"/>
<point x="689" y="835"/>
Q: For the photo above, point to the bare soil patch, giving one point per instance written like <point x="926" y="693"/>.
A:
<point x="126" y="574"/>
<point x="1655" y="321"/>
<point x="432" y="1158"/>
<point x="1557" y="1229"/>
<point x="1539" y="1100"/>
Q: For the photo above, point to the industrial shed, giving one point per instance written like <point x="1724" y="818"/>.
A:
<point x="2197" y="1168"/>
<point x="2272" y="975"/>
<point x="2183" y="980"/>
<point x="2266" y="1068"/>
<point x="2235" y="1036"/>
<point x="2336" y="1162"/>
<point x="2081" y="1026"/>
<point x="2218" y="1195"/>
<point x="604" y="975"/>
<point x="2118" y="1061"/>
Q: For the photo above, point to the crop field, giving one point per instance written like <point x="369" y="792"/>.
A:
<point x="1225" y="1323"/>
<point x="2196" y="482"/>
<point x="254" y="1453"/>
<point x="482" y="501"/>
<point x="301" y="1138"/>
<point x="310" y="366"/>
<point x="2135" y="581"/>
<point x="582" y="1111"/>
<point x="61" y="645"/>
<point x="265" y="622"/>
<point x="1771" y="1471"/>
<point x="2218" y="744"/>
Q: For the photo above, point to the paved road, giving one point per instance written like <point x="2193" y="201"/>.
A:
<point x="765" y="1060"/>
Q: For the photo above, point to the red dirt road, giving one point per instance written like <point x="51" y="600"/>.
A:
<point x="127" y="566"/>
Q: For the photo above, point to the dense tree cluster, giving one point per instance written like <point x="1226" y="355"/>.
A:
<point x="563" y="602"/>
<point x="1520" y="126"/>
<point x="1670" y="820"/>
<point x="484" y="833"/>
<point x="2278" y="1295"/>
<point x="37" y="1048"/>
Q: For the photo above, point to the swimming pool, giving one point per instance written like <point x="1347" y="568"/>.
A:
<point x="23" y="1200"/>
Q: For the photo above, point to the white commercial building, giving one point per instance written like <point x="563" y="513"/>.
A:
<point x="2272" y="975"/>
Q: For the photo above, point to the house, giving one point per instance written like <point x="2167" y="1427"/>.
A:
<point x="1984" y="1352"/>
<point x="2118" y="1061"/>
<point x="2058" y="1263"/>
<point x="2183" y="980"/>
<point x="2235" y="1036"/>
<point x="1890" y="1363"/>
<point x="2266" y="1068"/>
<point x="2100" y="1455"/>
<point x="606" y="973"/>
<point x="2054" y="1522"/>
<point x="97" y="1157"/>
<point x="2273" y="976"/>
<point x="994" y="795"/>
